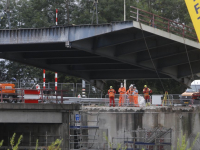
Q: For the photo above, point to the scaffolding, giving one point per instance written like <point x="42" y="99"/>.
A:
<point x="147" y="139"/>
<point x="85" y="133"/>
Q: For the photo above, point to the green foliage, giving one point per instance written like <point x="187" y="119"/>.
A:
<point x="36" y="146"/>
<point x="55" y="145"/>
<point x="106" y="138"/>
<point x="12" y="142"/>
<point x="1" y="143"/>
<point x="182" y="143"/>
<point x="119" y="146"/>
<point x="19" y="71"/>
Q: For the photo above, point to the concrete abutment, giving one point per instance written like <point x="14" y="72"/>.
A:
<point x="121" y="121"/>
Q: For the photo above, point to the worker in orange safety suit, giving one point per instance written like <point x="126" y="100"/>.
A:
<point x="130" y="94"/>
<point x="135" y="97"/>
<point x="122" y="96"/>
<point x="146" y="92"/>
<point x="111" y="93"/>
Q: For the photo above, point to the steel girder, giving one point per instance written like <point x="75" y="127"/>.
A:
<point x="109" y="51"/>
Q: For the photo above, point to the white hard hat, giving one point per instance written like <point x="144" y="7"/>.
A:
<point x="121" y="84"/>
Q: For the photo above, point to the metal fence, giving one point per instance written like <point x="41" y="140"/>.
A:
<point x="73" y="89"/>
<point x="138" y="100"/>
<point x="34" y="96"/>
<point x="49" y="95"/>
<point x="156" y="138"/>
<point x="163" y="23"/>
<point x="90" y="91"/>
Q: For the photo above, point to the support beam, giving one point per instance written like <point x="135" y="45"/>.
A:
<point x="164" y="52"/>
<point x="179" y="59"/>
<point x="116" y="38"/>
<point x="59" y="54"/>
<point x="184" y="70"/>
<point x="103" y="67"/>
<point x="109" y="52"/>
<point x="81" y="61"/>
<point x="45" y="47"/>
<point x="138" y="46"/>
<point x="43" y="65"/>
<point x="141" y="74"/>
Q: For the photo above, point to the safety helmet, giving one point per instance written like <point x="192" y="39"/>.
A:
<point x="111" y="87"/>
<point x="131" y="85"/>
<point x="145" y="85"/>
<point x="135" y="87"/>
<point x="121" y="84"/>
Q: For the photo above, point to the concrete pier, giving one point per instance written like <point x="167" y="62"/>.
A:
<point x="120" y="121"/>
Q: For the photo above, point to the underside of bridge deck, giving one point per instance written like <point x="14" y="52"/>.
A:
<point x="120" y="50"/>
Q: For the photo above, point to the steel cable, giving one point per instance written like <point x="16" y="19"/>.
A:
<point x="189" y="62"/>
<point x="151" y="57"/>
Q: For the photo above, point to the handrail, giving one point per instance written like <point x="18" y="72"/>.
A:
<point x="172" y="26"/>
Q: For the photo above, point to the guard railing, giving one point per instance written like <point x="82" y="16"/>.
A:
<point x="163" y="23"/>
<point x="33" y="96"/>
<point x="62" y="97"/>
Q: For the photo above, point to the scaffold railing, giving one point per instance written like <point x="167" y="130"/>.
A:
<point x="158" y="138"/>
<point x="85" y="133"/>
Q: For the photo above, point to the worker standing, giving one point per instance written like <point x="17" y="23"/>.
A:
<point x="135" y="97"/>
<point x="122" y="92"/>
<point x="130" y="94"/>
<point x="146" y="92"/>
<point x="111" y="93"/>
<point x="127" y="93"/>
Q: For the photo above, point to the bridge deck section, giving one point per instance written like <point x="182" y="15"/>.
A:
<point x="109" y="51"/>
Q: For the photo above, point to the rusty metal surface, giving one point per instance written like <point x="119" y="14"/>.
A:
<point x="59" y="34"/>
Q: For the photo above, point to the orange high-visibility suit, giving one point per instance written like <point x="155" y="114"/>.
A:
<point x="146" y="92"/>
<point x="135" y="98"/>
<point x="130" y="95"/>
<point x="122" y="92"/>
<point x="111" y="93"/>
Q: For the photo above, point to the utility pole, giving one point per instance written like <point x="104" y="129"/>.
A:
<point x="125" y="20"/>
<point x="125" y="83"/>
<point x="96" y="1"/>
<point x="95" y="6"/>
<point x="67" y="6"/>
<point x="8" y="12"/>
<point x="124" y="10"/>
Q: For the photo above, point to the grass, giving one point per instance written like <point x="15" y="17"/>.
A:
<point x="182" y="143"/>
<point x="54" y="145"/>
<point x="119" y="146"/>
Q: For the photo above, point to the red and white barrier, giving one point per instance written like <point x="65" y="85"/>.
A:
<point x="56" y="81"/>
<point x="31" y="96"/>
<point x="56" y="16"/>
<point x="43" y="78"/>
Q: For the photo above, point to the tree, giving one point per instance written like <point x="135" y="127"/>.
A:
<point x="20" y="72"/>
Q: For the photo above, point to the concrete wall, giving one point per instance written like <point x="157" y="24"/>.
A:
<point x="30" y="117"/>
<point x="184" y="120"/>
<point x="45" y="122"/>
